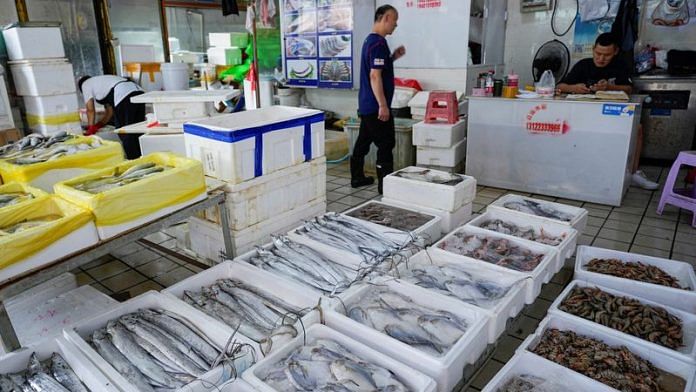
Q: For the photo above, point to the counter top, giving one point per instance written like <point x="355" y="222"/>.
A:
<point x="634" y="100"/>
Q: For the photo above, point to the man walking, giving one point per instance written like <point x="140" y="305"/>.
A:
<point x="374" y="100"/>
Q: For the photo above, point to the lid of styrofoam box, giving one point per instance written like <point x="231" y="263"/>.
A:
<point x="39" y="62"/>
<point x="577" y="212"/>
<point x="263" y="119"/>
<point x="142" y="127"/>
<point x="663" y="361"/>
<point x="186" y="96"/>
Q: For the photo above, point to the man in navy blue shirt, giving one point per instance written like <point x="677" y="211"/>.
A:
<point x="374" y="100"/>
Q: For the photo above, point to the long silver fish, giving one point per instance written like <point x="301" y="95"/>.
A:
<point x="64" y="374"/>
<point x="106" y="349"/>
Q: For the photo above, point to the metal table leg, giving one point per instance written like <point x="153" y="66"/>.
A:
<point x="230" y="249"/>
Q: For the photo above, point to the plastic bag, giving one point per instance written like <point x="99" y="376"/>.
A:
<point x="645" y="59"/>
<point x="16" y="187"/>
<point x="546" y="84"/>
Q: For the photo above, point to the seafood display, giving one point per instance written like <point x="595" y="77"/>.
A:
<point x="298" y="47"/>
<point x="28" y="224"/>
<point x="304" y="22"/>
<point x="498" y="251"/>
<point x="427" y="175"/>
<point x="431" y="331"/>
<point x="395" y="217"/>
<point x="335" y="19"/>
<point x="455" y="282"/>
<point x="302" y="73"/>
<point x="296" y="5"/>
<point x="335" y="71"/>
<point x="31" y="143"/>
<point x="54" y="374"/>
<point x="12" y="198"/>
<point x="617" y="367"/>
<point x="628" y="315"/>
<point x="634" y="271"/>
<point x="301" y="264"/>
<point x="157" y="350"/>
<point x="528" y="233"/>
<point x="529" y="383"/>
<point x="332" y="45"/>
<point x="45" y="149"/>
<point x="325" y="365"/>
<point x="118" y="179"/>
<point x="256" y="315"/>
<point x="538" y="209"/>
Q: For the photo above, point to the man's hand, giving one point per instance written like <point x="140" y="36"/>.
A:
<point x="580" y="88"/>
<point x="398" y="53"/>
<point x="383" y="114"/>
<point x="602" y="85"/>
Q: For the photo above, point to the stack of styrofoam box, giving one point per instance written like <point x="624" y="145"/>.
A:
<point x="226" y="48"/>
<point x="44" y="78"/>
<point x="440" y="144"/>
<point x="272" y="161"/>
<point x="452" y="203"/>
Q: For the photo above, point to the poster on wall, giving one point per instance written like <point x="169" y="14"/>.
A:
<point x="586" y="33"/>
<point x="318" y="36"/>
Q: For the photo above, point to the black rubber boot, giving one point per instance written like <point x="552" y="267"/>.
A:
<point x="382" y="171"/>
<point x="357" y="175"/>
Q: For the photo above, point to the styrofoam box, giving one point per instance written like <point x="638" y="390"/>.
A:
<point x="224" y="56"/>
<point x="445" y="370"/>
<point x="448" y="220"/>
<point x="534" y="279"/>
<point x="226" y="40"/>
<point x="661" y="360"/>
<point x="430" y="230"/>
<point x="412" y="379"/>
<point x="162" y="143"/>
<point x="565" y="249"/>
<point x="153" y="299"/>
<point x="184" y="105"/>
<point x="578" y="222"/>
<point x="529" y="364"/>
<point x="230" y="145"/>
<point x="26" y="43"/>
<point x="262" y="198"/>
<point x="676" y="298"/>
<point x="50" y="105"/>
<point x="507" y="307"/>
<point x="88" y="373"/>
<point x="106" y="232"/>
<point x="426" y="194"/>
<point x="48" y="130"/>
<point x="43" y="77"/>
<point x="207" y="240"/>
<point x="449" y="157"/>
<point x="49" y="178"/>
<point x="438" y="135"/>
<point x="686" y="353"/>
<point x="81" y="238"/>
<point x="259" y="279"/>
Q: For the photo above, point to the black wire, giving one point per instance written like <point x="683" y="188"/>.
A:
<point x="553" y="17"/>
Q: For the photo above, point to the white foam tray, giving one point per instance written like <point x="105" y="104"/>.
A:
<point x="687" y="353"/>
<point x="507" y="307"/>
<point x="534" y="279"/>
<point x="153" y="299"/>
<point x="413" y="379"/>
<point x="25" y="43"/>
<point x="448" y="220"/>
<point x="43" y="77"/>
<point x="430" y="230"/>
<point x="437" y="196"/>
<point x="448" y="157"/>
<point x="676" y="298"/>
<point x="565" y="249"/>
<point x="663" y="361"/>
<point x="445" y="370"/>
<point x="438" y="135"/>
<point x="578" y="222"/>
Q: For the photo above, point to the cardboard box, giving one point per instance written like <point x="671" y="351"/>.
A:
<point x="9" y="135"/>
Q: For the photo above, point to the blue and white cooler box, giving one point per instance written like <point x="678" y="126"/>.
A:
<point x="241" y="146"/>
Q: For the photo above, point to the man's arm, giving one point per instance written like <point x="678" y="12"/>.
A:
<point x="398" y="53"/>
<point x="578" y="88"/>
<point x="378" y="91"/>
<point x="108" y="113"/>
<point x="90" y="111"/>
<point x="604" y="85"/>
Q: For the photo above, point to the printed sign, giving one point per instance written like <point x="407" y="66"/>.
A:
<point x="613" y="109"/>
<point x="540" y="120"/>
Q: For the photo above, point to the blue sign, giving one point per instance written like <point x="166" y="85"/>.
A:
<point x="613" y="109"/>
<point x="660" y="112"/>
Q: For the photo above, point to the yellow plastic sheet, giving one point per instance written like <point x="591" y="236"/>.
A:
<point x="54" y="119"/>
<point x="16" y="247"/>
<point x="16" y="187"/>
<point x="108" y="154"/>
<point x="182" y="182"/>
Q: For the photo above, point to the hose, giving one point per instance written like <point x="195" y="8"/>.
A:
<point x="572" y="22"/>
<point x="340" y="159"/>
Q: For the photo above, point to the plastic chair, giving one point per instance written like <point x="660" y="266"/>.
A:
<point x="442" y="105"/>
<point x="683" y="197"/>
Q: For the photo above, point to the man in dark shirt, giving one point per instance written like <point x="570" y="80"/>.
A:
<point x="374" y="100"/>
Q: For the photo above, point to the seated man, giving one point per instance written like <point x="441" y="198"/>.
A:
<point x="605" y="71"/>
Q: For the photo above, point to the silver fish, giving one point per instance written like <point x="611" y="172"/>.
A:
<point x="538" y="209"/>
<point x="427" y="175"/>
<point x="64" y="374"/>
<point x="106" y="349"/>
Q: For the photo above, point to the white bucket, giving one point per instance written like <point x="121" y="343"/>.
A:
<point x="175" y="76"/>
<point x="289" y="97"/>
<point x="266" y="94"/>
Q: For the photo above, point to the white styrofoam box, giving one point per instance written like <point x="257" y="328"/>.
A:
<point x="27" y="43"/>
<point x="262" y="198"/>
<point x="534" y="279"/>
<point x="446" y="370"/>
<point x="528" y="364"/>
<point x="41" y="293"/>
<point x="47" y="319"/>
<point x="686" y="353"/>
<point x="676" y="298"/>
<point x="448" y="220"/>
<point x="224" y="56"/>
<point x="150" y="143"/>
<point x="52" y="129"/>
<point x="411" y="378"/>
<point x="439" y="135"/>
<point x="430" y="230"/>
<point x="579" y="214"/>
<point x="226" y="40"/>
<point x="443" y="197"/>
<point x="449" y="157"/>
<point x="79" y="239"/>
<point x="208" y="243"/>
<point x="90" y="375"/>
<point x="53" y="104"/>
<point x="507" y="307"/>
<point x="149" y="300"/>
<point x="661" y="360"/>
<point x="184" y="105"/>
<point x="43" y="77"/>
<point x="565" y="249"/>
<point x="49" y="178"/>
<point x="240" y="146"/>
<point x="106" y="232"/>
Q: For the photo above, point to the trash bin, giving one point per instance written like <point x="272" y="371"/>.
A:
<point x="405" y="151"/>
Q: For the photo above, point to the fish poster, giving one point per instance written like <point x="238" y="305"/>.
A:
<point x="318" y="43"/>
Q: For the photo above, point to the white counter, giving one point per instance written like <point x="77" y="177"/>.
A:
<point x="581" y="150"/>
